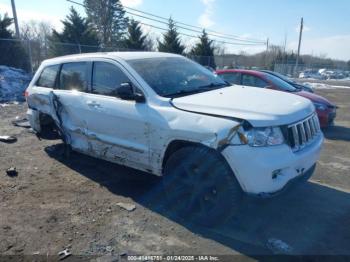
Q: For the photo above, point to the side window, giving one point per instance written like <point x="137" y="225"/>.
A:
<point x="73" y="76"/>
<point x="48" y="76"/>
<point x="250" y="80"/>
<point x="106" y="78"/>
<point x="232" y="78"/>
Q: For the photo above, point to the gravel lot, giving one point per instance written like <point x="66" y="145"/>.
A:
<point x="56" y="202"/>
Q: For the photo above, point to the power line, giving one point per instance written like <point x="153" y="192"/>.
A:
<point x="192" y="36"/>
<point x="196" y="31"/>
<point x="193" y="26"/>
<point x="216" y="34"/>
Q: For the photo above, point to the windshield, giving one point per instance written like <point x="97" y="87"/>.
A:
<point x="176" y="76"/>
<point x="282" y="85"/>
<point x="283" y="77"/>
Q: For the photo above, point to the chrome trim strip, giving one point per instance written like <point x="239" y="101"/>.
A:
<point x="303" y="135"/>
<point x="295" y="136"/>
<point x="313" y="129"/>
<point x="308" y="130"/>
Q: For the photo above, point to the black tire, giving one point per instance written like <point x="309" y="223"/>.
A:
<point x="200" y="186"/>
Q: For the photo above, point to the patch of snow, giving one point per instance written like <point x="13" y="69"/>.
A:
<point x="278" y="246"/>
<point x="309" y="78"/>
<point x="323" y="86"/>
<point x="13" y="82"/>
<point x="127" y="206"/>
<point x="341" y="79"/>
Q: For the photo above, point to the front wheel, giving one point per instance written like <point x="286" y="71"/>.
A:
<point x="200" y="186"/>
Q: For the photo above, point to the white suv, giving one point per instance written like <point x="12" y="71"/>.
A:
<point x="166" y="115"/>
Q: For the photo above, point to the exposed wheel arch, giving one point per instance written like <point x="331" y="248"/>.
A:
<point x="178" y="144"/>
<point x="45" y="119"/>
<point x="175" y="145"/>
<point x="48" y="128"/>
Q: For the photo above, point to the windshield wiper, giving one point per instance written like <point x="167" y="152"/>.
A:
<point x="212" y="85"/>
<point x="187" y="92"/>
<point x="199" y="89"/>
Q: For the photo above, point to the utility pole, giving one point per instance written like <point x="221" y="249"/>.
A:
<point x="14" y="13"/>
<point x="266" y="53"/>
<point x="285" y="57"/>
<point x="285" y="43"/>
<point x="267" y="45"/>
<point x="300" y="35"/>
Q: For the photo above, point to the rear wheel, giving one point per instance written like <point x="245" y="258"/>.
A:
<point x="200" y="186"/>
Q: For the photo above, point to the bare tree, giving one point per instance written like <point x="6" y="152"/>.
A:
<point x="219" y="49"/>
<point x="36" y="30"/>
<point x="150" y="44"/>
<point x="36" y="33"/>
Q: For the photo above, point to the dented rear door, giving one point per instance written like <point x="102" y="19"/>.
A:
<point x="69" y="108"/>
<point x="39" y="96"/>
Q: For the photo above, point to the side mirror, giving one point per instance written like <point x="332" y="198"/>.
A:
<point x="125" y="91"/>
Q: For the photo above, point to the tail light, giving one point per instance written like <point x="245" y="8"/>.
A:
<point x="26" y="94"/>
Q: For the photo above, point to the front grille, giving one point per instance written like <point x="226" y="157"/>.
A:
<point x="303" y="133"/>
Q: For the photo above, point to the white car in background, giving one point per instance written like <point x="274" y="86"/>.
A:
<point x="166" y="115"/>
<point x="313" y="74"/>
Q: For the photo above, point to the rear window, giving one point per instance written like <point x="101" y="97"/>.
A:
<point x="282" y="85"/>
<point x="73" y="76"/>
<point x="48" y="76"/>
<point x="250" y="80"/>
<point x="232" y="78"/>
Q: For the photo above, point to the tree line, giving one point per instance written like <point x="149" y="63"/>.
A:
<point x="12" y="52"/>
<point x="105" y="28"/>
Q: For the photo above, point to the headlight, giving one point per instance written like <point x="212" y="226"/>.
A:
<point x="320" y="107"/>
<point x="264" y="136"/>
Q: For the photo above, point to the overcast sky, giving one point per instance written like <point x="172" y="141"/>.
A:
<point x="326" y="30"/>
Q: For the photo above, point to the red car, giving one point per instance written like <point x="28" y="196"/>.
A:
<point x="326" y="111"/>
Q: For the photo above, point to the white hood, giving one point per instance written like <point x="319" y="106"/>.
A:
<point x="261" y="107"/>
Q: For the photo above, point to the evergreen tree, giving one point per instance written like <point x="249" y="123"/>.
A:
<point x="135" y="39"/>
<point x="204" y="49"/>
<point x="171" y="40"/>
<point x="76" y="37"/>
<point x="108" y="18"/>
<point x="12" y="52"/>
<point x="5" y="23"/>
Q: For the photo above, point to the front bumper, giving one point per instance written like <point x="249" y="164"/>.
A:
<point x="267" y="170"/>
<point x="298" y="179"/>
